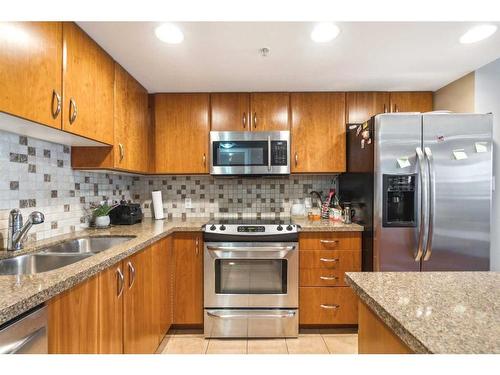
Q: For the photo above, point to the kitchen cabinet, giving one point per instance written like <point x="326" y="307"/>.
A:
<point x="88" y="77"/>
<point x="73" y="320"/>
<point x="140" y="333"/>
<point x="132" y="131"/>
<point x="318" y="132"/>
<point x="411" y="101"/>
<point x="230" y="111"/>
<point x="269" y="111"/>
<point x="111" y="295"/>
<point x="361" y="106"/>
<point x="324" y="298"/>
<point x="30" y="71"/>
<point x="162" y="283"/>
<point x="188" y="279"/>
<point x="182" y="127"/>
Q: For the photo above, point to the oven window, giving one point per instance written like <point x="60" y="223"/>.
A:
<point x="251" y="276"/>
<point x="240" y="153"/>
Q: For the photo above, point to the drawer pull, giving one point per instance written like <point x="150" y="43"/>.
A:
<point x="329" y="260"/>
<point x="329" y="307"/>
<point x="334" y="242"/>
<point x="328" y="277"/>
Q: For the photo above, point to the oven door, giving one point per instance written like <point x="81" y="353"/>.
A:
<point x="251" y="274"/>
<point x="249" y="153"/>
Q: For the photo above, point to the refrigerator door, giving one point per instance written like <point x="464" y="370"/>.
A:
<point x="458" y="150"/>
<point x="397" y="192"/>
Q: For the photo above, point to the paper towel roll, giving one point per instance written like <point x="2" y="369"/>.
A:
<point x="158" y="205"/>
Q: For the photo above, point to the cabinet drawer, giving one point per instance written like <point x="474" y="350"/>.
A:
<point x="319" y="305"/>
<point x="330" y="241"/>
<point x="347" y="260"/>
<point x="321" y="277"/>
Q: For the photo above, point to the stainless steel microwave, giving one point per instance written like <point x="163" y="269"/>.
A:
<point x="249" y="153"/>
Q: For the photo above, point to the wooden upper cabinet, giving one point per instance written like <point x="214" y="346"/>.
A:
<point x="411" y="101"/>
<point x="182" y="129"/>
<point x="30" y="71"/>
<point x="88" y="77"/>
<point x="188" y="278"/>
<point x="131" y="125"/>
<point x="111" y="295"/>
<point x="269" y="111"/>
<point x="318" y="132"/>
<point x="230" y="111"/>
<point x="363" y="105"/>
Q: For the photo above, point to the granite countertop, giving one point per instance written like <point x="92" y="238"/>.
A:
<point x="436" y="312"/>
<point x="325" y="225"/>
<point x="19" y="293"/>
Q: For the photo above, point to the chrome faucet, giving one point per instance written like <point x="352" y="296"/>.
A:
<point x="18" y="231"/>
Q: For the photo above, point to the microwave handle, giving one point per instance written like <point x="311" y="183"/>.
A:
<point x="269" y="153"/>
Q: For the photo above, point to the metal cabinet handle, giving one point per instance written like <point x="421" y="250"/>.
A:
<point x="255" y="120"/>
<point x="385" y="108"/>
<point x="244" y="120"/>
<point x="296" y="159"/>
<point x="121" y="282"/>
<point x="56" y="96"/>
<point x="74" y="113"/>
<point x="131" y="271"/>
<point x="329" y="307"/>
<point x="204" y="160"/>
<point x="328" y="277"/>
<point x="329" y="242"/>
<point x="197" y="246"/>
<point x="328" y="260"/>
<point x="122" y="151"/>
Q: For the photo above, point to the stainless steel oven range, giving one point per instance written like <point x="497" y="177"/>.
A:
<point x="251" y="279"/>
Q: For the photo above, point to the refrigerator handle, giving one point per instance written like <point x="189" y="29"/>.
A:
<point x="432" y="202"/>
<point x="424" y="204"/>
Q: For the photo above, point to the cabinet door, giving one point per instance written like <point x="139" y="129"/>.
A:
<point x="131" y="123"/>
<point x="162" y="284"/>
<point x="318" y="132"/>
<point x="30" y="70"/>
<point x="139" y="329"/>
<point x="111" y="295"/>
<point x="415" y="101"/>
<point x="181" y="133"/>
<point x="73" y="320"/>
<point x="88" y="76"/>
<point x="230" y="111"/>
<point x="188" y="278"/>
<point x="363" y="105"/>
<point x="270" y="111"/>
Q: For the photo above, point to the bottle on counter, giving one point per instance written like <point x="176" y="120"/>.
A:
<point x="335" y="211"/>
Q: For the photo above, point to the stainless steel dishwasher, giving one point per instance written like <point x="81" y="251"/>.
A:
<point x="26" y="334"/>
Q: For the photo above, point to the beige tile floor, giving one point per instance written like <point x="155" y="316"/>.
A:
<point x="334" y="341"/>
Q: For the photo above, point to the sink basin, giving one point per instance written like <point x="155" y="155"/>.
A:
<point x="87" y="245"/>
<point x="36" y="263"/>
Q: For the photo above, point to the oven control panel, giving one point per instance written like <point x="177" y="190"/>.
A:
<point x="249" y="229"/>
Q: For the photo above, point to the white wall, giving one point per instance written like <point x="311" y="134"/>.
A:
<point x="487" y="99"/>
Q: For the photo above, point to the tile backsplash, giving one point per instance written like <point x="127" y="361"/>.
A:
<point x="37" y="175"/>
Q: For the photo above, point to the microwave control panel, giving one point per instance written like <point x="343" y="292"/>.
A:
<point x="279" y="153"/>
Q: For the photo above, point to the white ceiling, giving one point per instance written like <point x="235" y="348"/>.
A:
<point x="223" y="56"/>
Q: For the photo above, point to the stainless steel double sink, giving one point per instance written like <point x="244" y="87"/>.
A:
<point x="59" y="255"/>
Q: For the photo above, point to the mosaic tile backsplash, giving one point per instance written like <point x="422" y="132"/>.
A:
<point x="37" y="175"/>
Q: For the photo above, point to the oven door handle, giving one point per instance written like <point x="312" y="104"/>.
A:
<point x="237" y="248"/>
<point x="290" y="314"/>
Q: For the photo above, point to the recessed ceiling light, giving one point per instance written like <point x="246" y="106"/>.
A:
<point x="324" y="32"/>
<point x="169" y="33"/>
<point x="478" y="33"/>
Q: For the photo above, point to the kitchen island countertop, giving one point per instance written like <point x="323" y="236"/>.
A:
<point x="435" y="312"/>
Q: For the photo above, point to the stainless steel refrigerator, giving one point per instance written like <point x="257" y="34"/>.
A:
<point x="421" y="184"/>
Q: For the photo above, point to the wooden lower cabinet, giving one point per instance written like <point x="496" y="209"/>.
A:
<point x="124" y="309"/>
<point x="374" y="337"/>
<point x="73" y="320"/>
<point x="188" y="279"/>
<point x="325" y="306"/>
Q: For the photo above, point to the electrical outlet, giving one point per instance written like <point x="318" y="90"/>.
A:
<point x="187" y="203"/>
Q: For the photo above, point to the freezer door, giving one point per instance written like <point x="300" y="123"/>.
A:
<point x="397" y="192"/>
<point x="458" y="150"/>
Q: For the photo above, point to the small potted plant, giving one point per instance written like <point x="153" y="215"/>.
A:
<point x="101" y="215"/>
